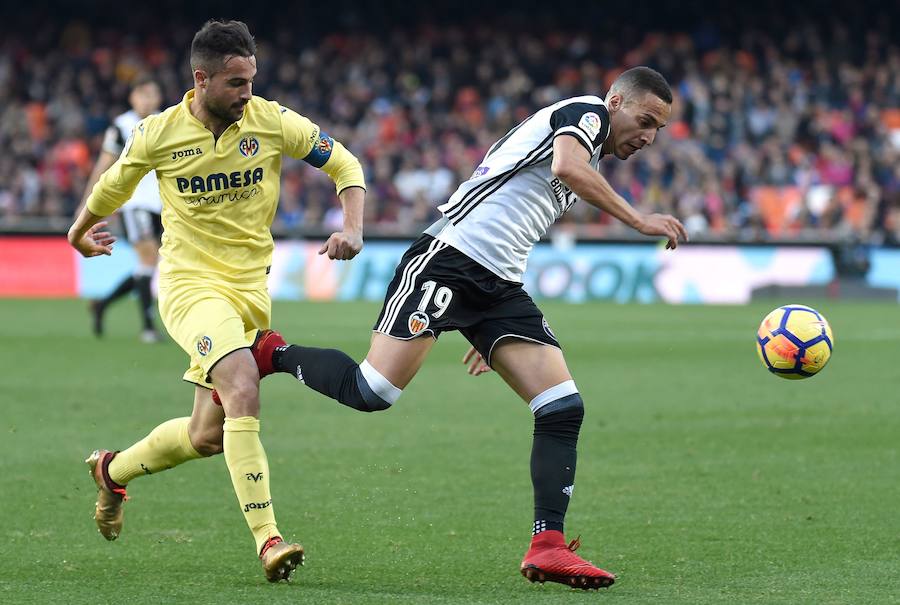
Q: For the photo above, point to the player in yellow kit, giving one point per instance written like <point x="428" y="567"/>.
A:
<point x="217" y="157"/>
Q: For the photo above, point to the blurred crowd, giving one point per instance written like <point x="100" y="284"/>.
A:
<point x="792" y="133"/>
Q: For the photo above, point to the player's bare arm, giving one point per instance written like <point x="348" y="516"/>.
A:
<point x="347" y="243"/>
<point x="104" y="161"/>
<point x="114" y="186"/>
<point x="88" y="237"/>
<point x="571" y="164"/>
<point x="86" y="234"/>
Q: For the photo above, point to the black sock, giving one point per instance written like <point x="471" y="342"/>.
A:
<point x="330" y="372"/>
<point x="553" y="458"/>
<point x="126" y="286"/>
<point x="145" y="296"/>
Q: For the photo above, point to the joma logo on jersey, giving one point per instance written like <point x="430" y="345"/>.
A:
<point x="219" y="181"/>
<point x="185" y="153"/>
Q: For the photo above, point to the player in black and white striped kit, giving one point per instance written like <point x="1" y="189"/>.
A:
<point x="465" y="273"/>
<point x="141" y="215"/>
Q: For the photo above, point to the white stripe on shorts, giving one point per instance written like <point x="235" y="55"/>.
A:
<point x="407" y="285"/>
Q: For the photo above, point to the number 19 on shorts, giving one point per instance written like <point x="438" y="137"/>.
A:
<point x="442" y="295"/>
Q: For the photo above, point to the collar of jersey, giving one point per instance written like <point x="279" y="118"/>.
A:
<point x="186" y="106"/>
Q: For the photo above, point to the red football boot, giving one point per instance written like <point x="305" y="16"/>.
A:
<point x="262" y="349"/>
<point x="550" y="559"/>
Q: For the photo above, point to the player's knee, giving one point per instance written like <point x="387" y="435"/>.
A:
<point x="561" y="417"/>
<point x="373" y="392"/>
<point x="207" y="442"/>
<point x="372" y="405"/>
<point x="208" y="448"/>
<point x="240" y="397"/>
<point x="563" y="399"/>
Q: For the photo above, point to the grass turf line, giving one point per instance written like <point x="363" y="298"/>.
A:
<point x="701" y="478"/>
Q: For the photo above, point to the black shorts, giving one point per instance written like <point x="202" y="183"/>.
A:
<point x="437" y="288"/>
<point x="140" y="224"/>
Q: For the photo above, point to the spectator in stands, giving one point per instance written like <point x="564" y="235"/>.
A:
<point x="806" y="112"/>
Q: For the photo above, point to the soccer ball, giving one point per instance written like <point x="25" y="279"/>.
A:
<point x="794" y="342"/>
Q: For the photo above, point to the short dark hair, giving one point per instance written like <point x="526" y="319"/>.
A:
<point x="642" y="79"/>
<point x="142" y="79"/>
<point x="217" y="40"/>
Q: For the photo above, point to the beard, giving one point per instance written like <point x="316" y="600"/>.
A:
<point x="227" y="113"/>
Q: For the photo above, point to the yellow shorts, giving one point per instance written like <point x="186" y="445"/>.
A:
<point x="210" y="319"/>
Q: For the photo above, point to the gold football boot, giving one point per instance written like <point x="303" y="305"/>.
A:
<point x="108" y="511"/>
<point x="279" y="559"/>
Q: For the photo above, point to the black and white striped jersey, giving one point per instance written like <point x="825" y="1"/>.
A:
<point x="146" y="194"/>
<point x="512" y="198"/>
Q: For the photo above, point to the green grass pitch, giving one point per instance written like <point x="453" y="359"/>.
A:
<point x="701" y="478"/>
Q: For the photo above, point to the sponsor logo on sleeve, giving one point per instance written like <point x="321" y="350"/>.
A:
<point x="590" y="123"/>
<point x="480" y="171"/>
<point x="321" y="151"/>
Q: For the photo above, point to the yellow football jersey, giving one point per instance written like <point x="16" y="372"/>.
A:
<point x="219" y="196"/>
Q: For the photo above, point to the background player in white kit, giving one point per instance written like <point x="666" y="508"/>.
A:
<point x="465" y="273"/>
<point x="141" y="220"/>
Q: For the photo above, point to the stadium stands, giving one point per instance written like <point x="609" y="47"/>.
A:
<point x="775" y="134"/>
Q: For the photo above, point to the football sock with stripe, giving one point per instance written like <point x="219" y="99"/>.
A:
<point x="558" y="414"/>
<point x="167" y="446"/>
<point x="249" y="469"/>
<point x="334" y="374"/>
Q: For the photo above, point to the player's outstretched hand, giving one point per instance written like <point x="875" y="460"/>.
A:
<point x="477" y="364"/>
<point x="666" y="225"/>
<point x="95" y="242"/>
<point x="342" y="245"/>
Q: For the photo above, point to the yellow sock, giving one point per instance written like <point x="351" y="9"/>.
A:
<point x="166" y="446"/>
<point x="249" y="468"/>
